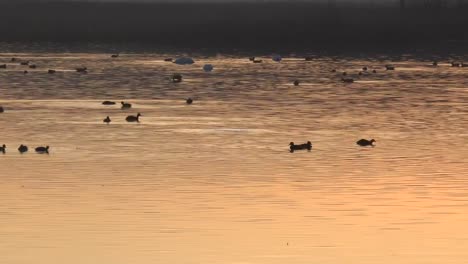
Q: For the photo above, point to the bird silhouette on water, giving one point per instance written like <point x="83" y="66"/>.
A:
<point x="293" y="147"/>
<point x="22" y="148"/>
<point x="189" y="101"/>
<point x="1" y="109"/>
<point x="125" y="105"/>
<point x="365" y="142"/>
<point x="3" y="148"/>
<point x="107" y="120"/>
<point x="133" y="118"/>
<point x="108" y="103"/>
<point x="42" y="150"/>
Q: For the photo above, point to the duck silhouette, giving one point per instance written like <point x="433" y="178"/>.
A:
<point x="115" y="55"/>
<point x="33" y="66"/>
<point x="108" y="103"/>
<point x="107" y="120"/>
<point x="42" y="150"/>
<point x="296" y="82"/>
<point x="125" y="105"/>
<point x="365" y="142"/>
<point x="51" y="71"/>
<point x="3" y="66"/>
<point x="347" y="80"/>
<point x="176" y="78"/>
<point x="189" y="100"/>
<point x="82" y="69"/>
<point x="3" y="148"/>
<point x="389" y="67"/>
<point x="293" y="147"/>
<point x="1" y="109"/>
<point x="133" y="118"/>
<point x="22" y="148"/>
<point x="168" y="59"/>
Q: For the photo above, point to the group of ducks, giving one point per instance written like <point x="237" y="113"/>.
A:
<point x="308" y="146"/>
<point x="22" y="149"/>
<point x="131" y="118"/>
<point x="50" y="71"/>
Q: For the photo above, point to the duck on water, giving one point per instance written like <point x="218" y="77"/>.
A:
<point x="133" y="118"/>
<point x="3" y="148"/>
<point x="293" y="147"/>
<point x="365" y="142"/>
<point x="107" y="120"/>
<point x="125" y="105"/>
<point x="22" y="148"/>
<point x="42" y="150"/>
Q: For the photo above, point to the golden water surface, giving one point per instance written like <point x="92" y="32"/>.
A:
<point x="213" y="182"/>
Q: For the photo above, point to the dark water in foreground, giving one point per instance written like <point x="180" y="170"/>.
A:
<point x="213" y="182"/>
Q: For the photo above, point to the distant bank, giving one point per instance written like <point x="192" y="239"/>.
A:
<point x="240" y="24"/>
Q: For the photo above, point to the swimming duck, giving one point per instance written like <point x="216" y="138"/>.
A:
<point x="365" y="142"/>
<point x="374" y="71"/>
<point x="107" y="120"/>
<point x="51" y="71"/>
<point x="115" y="55"/>
<point x="22" y="148"/>
<point x="293" y="147"/>
<point x="133" y="118"/>
<point x="189" y="100"/>
<point x="32" y="66"/>
<point x="25" y="72"/>
<point x="82" y="69"/>
<point x="257" y="61"/>
<point x="168" y="59"/>
<point x="389" y="67"/>
<point x="364" y="68"/>
<point x="434" y="63"/>
<point x="42" y="150"/>
<point x="296" y="83"/>
<point x="176" y="77"/>
<point x="14" y="59"/>
<point x="3" y="66"/>
<point x="126" y="105"/>
<point x="3" y="148"/>
<point x="24" y="63"/>
<point x="347" y="80"/>
<point x="308" y="58"/>
<point x="1" y="109"/>
<point x="108" y="103"/>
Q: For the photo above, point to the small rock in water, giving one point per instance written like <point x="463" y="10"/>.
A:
<point x="276" y="58"/>
<point x="208" y="67"/>
<point x="184" y="61"/>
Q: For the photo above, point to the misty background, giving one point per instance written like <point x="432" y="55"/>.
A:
<point x="239" y="23"/>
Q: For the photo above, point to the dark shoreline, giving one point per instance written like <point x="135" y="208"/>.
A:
<point x="238" y="25"/>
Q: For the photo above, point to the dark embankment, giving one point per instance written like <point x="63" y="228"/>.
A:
<point x="234" y="25"/>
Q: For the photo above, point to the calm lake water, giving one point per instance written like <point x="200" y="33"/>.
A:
<point x="213" y="182"/>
